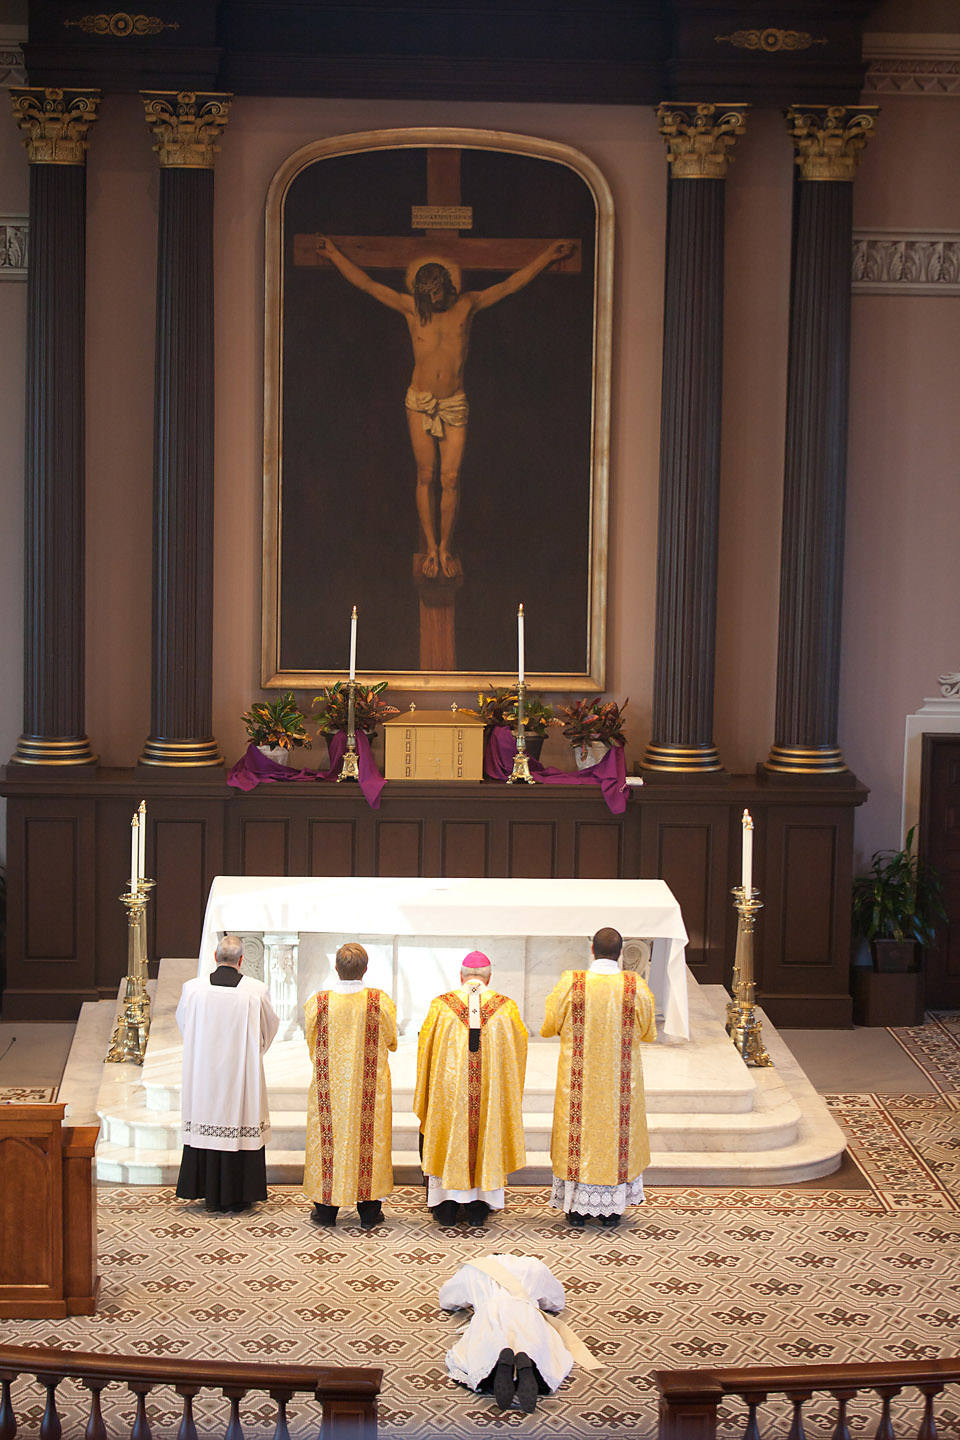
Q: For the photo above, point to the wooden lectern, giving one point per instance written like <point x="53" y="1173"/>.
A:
<point x="48" y="1215"/>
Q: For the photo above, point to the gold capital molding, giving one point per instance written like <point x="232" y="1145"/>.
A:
<point x="700" y="137"/>
<point x="770" y="40"/>
<point x="54" y="123"/>
<point x="121" y="24"/>
<point x="187" y="125"/>
<point x="829" y="139"/>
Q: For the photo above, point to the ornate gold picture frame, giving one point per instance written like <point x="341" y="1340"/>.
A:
<point x="436" y="411"/>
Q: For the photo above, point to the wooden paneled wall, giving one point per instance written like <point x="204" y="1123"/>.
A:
<point x="69" y="846"/>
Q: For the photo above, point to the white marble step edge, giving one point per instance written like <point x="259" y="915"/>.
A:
<point x="768" y="1128"/>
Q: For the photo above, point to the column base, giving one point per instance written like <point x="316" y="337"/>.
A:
<point x="48" y="750"/>
<point x="681" y="759"/>
<point x="805" y="760"/>
<point x="181" y="754"/>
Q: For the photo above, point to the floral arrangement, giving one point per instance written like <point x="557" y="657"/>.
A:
<point x="498" y="706"/>
<point x="588" y="721"/>
<point x="279" y="723"/>
<point x="331" y="707"/>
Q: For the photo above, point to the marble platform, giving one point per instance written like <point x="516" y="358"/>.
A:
<point x="712" y="1120"/>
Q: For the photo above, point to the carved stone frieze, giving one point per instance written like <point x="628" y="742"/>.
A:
<point x="55" y="123"/>
<point x="13" y="71"/>
<point x="187" y="125"/>
<point x="924" y="262"/>
<point x="950" y="685"/>
<point x="829" y="139"/>
<point x="13" y="247"/>
<point x="700" y="137"/>
<point x="913" y="77"/>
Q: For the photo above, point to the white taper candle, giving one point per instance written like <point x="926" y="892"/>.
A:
<point x="520" y="645"/>
<point x="142" y="841"/>
<point x="134" y="851"/>
<point x="747" y="868"/>
<point x="353" y="644"/>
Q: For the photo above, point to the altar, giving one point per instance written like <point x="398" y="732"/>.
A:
<point x="417" y="930"/>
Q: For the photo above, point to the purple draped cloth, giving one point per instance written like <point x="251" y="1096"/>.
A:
<point x="254" y="769"/>
<point x="610" y="773"/>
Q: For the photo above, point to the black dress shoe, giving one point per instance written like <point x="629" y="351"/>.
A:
<point x="527" y="1389"/>
<point x="324" y="1214"/>
<point x="609" y="1222"/>
<point x="575" y="1219"/>
<point x="371" y="1214"/>
<point x="447" y="1212"/>
<point x="476" y="1212"/>
<point x="504" y="1386"/>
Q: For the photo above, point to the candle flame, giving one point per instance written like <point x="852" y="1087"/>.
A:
<point x="353" y="615"/>
<point x="747" y="821"/>
<point x="520" y="611"/>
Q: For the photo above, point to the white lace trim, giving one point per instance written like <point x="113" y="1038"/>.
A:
<point x="595" y="1199"/>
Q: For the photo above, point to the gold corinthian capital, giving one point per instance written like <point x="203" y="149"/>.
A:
<point x="829" y="139"/>
<point x="54" y="123"/>
<point x="187" y="126"/>
<point x="700" y="137"/>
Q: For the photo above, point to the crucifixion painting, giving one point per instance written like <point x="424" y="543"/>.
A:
<point x="471" y="428"/>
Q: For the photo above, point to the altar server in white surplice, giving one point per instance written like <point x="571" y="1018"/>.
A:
<point x="509" y="1346"/>
<point x="227" y="1023"/>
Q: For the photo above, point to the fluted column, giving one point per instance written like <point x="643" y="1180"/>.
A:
<point x="55" y="125"/>
<point x="699" y="138"/>
<point x="187" y="126"/>
<point x="828" y="141"/>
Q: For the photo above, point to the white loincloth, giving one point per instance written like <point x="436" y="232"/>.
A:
<point x="451" y="410"/>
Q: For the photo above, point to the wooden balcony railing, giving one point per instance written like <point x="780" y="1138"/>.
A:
<point x="348" y="1396"/>
<point x="689" y="1398"/>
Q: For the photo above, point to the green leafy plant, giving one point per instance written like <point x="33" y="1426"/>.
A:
<point x="498" y="706"/>
<point x="277" y="722"/>
<point x="900" y="898"/>
<point x="590" y="720"/>
<point x="331" y="707"/>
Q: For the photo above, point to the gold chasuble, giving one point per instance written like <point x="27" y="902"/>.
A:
<point x="599" y="1116"/>
<point x="469" y="1104"/>
<point x="349" y="1104"/>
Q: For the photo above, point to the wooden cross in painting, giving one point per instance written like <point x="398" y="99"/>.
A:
<point x="439" y="315"/>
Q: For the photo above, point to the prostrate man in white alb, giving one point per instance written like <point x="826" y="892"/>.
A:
<point x="471" y="1061"/>
<point x="599" y="1148"/>
<point x="227" y="1023"/>
<point x="509" y="1346"/>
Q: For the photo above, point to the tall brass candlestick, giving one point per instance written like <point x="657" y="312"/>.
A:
<point x="521" y="764"/>
<point x="743" y="1025"/>
<point x="350" y="769"/>
<point x="132" y="1030"/>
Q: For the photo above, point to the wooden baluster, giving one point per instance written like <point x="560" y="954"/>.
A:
<point x="842" y="1430"/>
<point x="928" y="1426"/>
<point x="752" y="1431"/>
<point x="141" y="1425"/>
<point x="234" y="1428"/>
<point x="798" y="1400"/>
<point x="50" y="1427"/>
<point x="8" y="1420"/>
<point x="282" y="1398"/>
<point x="96" y="1430"/>
<point x="188" y="1429"/>
<point x="885" y="1428"/>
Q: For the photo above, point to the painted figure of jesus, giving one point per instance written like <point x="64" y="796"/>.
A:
<point x="439" y="316"/>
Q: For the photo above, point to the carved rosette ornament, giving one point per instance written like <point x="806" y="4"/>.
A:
<point x="829" y="139"/>
<point x="700" y="137"/>
<point x="187" y="125"/>
<point x="55" y="123"/>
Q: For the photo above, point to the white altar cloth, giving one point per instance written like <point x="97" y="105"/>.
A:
<point x="364" y="905"/>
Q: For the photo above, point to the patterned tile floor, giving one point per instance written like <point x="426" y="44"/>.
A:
<point x="867" y="1270"/>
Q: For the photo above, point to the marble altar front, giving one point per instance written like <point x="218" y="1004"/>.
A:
<point x="416" y="931"/>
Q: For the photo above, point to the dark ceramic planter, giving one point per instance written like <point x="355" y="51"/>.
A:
<point x="895" y="957"/>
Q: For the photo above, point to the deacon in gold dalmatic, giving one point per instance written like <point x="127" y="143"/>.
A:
<point x="471" y="1062"/>
<point x="600" y="1147"/>
<point x="349" y="1030"/>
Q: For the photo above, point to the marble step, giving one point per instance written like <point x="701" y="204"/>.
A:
<point x="769" y="1127"/>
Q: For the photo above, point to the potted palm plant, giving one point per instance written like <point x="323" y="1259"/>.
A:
<point x="276" y="727"/>
<point x="896" y="906"/>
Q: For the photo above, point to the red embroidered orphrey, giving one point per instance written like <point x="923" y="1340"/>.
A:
<point x="368" y="1099"/>
<point x="474" y="1072"/>
<point x="578" y="997"/>
<point x="627" y="1021"/>
<point x="322" y="1078"/>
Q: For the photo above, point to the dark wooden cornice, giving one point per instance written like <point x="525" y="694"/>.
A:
<point x="605" y="52"/>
